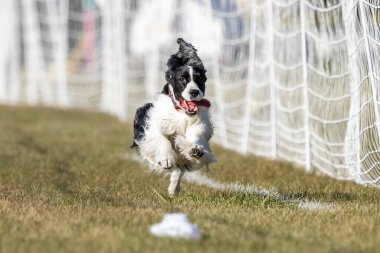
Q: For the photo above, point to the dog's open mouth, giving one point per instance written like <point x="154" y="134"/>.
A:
<point x="192" y="107"/>
<point x="189" y="107"/>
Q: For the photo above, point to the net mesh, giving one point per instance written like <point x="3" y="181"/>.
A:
<point x="294" y="80"/>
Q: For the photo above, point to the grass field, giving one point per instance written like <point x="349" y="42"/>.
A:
<point x="67" y="187"/>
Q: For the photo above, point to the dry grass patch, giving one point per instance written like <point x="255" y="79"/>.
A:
<point x="65" y="187"/>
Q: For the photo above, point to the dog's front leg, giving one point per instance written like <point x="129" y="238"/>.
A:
<point x="199" y="148"/>
<point x="165" y="156"/>
<point x="175" y="181"/>
<point x="195" y="147"/>
<point x="157" y="149"/>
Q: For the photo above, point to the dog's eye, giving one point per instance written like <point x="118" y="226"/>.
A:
<point x="182" y="79"/>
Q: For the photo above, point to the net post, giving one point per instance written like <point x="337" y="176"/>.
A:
<point x="34" y="60"/>
<point x="58" y="35"/>
<point x="369" y="60"/>
<point x="62" y="54"/>
<point x="14" y="40"/>
<point x="218" y="85"/>
<point x="106" y="60"/>
<point x="251" y="61"/>
<point x="352" y="139"/>
<point x="4" y="47"/>
<point x="273" y="112"/>
<point x="305" y="87"/>
<point x="114" y="79"/>
<point x="371" y="73"/>
<point x="122" y="82"/>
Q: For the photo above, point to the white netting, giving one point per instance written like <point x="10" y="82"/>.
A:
<point x="290" y="79"/>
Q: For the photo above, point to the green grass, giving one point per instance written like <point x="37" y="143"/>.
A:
<point x="65" y="187"/>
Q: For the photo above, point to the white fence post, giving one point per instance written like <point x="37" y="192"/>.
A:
<point x="57" y="19"/>
<point x="121" y="59"/>
<point x="272" y="81"/>
<point x="218" y="85"/>
<point x="4" y="47"/>
<point x="14" y="63"/>
<point x="352" y="138"/>
<point x="363" y="21"/>
<point x="106" y="56"/>
<point x="114" y="65"/>
<point x="36" y="74"/>
<point x="305" y="87"/>
<point x="63" y="98"/>
<point x="251" y="66"/>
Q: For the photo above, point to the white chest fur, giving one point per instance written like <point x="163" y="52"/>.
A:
<point x="170" y="121"/>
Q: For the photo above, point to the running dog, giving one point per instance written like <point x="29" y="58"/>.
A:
<point x="172" y="133"/>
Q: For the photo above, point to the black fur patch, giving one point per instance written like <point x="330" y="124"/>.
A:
<point x="140" y="123"/>
<point x="165" y="90"/>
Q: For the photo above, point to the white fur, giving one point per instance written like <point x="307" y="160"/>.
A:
<point x="170" y="137"/>
<point x="191" y="86"/>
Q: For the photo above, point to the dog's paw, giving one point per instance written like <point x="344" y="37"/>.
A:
<point x="196" y="151"/>
<point x="173" y="192"/>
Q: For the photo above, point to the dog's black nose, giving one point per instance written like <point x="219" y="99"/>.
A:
<point x="194" y="93"/>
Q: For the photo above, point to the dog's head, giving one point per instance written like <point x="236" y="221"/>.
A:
<point x="186" y="75"/>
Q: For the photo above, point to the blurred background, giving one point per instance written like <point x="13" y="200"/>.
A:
<point x="294" y="80"/>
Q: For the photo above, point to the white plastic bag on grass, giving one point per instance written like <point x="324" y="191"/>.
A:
<point x="176" y="225"/>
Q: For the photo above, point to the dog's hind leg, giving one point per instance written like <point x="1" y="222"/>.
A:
<point x="175" y="182"/>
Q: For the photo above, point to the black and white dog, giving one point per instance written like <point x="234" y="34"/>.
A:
<point x="172" y="133"/>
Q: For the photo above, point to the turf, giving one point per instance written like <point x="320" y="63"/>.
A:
<point x="65" y="186"/>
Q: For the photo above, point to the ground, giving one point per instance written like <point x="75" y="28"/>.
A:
<point x="66" y="186"/>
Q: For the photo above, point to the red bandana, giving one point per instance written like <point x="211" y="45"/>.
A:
<point x="190" y="107"/>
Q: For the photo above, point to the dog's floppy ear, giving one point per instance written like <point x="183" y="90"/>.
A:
<point x="201" y="73"/>
<point x="169" y="74"/>
<point x="165" y="90"/>
<point x="174" y="62"/>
